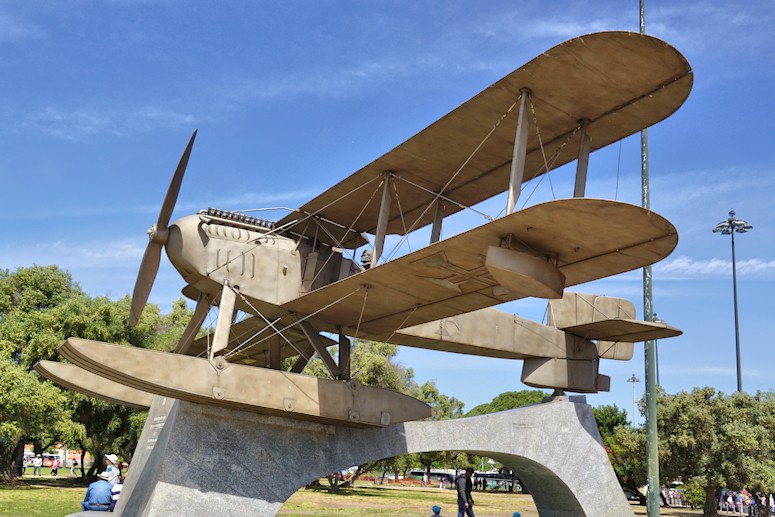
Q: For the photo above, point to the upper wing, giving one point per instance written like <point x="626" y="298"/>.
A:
<point x="621" y="82"/>
<point x="586" y="238"/>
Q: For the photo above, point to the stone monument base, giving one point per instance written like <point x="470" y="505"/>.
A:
<point x="198" y="460"/>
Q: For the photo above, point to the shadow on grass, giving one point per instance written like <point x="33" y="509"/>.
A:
<point x="345" y="492"/>
<point x="380" y="492"/>
<point x="33" y="483"/>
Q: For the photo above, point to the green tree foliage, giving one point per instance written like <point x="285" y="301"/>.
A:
<point x="508" y="400"/>
<point x="41" y="306"/>
<point x="707" y="439"/>
<point x="608" y="418"/>
<point x="718" y="440"/>
<point x="625" y="446"/>
<point x="32" y="409"/>
<point x="626" y="449"/>
<point x="444" y="407"/>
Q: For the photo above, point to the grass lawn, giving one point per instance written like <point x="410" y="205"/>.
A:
<point x="41" y="496"/>
<point x="56" y="497"/>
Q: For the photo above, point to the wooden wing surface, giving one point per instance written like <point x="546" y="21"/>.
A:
<point x="588" y="238"/>
<point x="623" y="330"/>
<point x="621" y="82"/>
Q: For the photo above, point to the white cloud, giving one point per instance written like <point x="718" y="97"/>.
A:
<point x="80" y="125"/>
<point x="251" y="200"/>
<point x="711" y="371"/>
<point x="98" y="254"/>
<point x="687" y="267"/>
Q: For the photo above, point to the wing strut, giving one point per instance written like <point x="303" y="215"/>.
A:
<point x="438" y="217"/>
<point x="581" y="167"/>
<point x="344" y="356"/>
<point x="200" y="312"/>
<point x="275" y="357"/>
<point x="520" y="152"/>
<point x="314" y="338"/>
<point x="382" y="221"/>
<point x="225" y="317"/>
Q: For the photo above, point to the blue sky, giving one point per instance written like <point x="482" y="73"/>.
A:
<point x="99" y="99"/>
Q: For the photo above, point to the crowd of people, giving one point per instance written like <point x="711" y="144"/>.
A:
<point x="36" y="462"/>
<point x="743" y="503"/>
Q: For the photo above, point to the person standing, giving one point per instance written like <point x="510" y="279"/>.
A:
<point x="73" y="466"/>
<point x="463" y="485"/>
<point x="54" y="466"/>
<point x="37" y="462"/>
<point x="98" y="495"/>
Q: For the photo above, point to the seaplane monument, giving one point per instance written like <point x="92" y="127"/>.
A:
<point x="231" y="432"/>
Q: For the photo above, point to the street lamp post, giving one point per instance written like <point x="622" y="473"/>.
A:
<point x="729" y="227"/>
<point x="633" y="380"/>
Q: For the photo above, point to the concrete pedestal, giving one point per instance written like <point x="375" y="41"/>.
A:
<point x="200" y="460"/>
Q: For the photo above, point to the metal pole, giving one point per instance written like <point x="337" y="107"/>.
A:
<point x="635" y="419"/>
<point x="652" y="449"/>
<point x="737" y="325"/>
<point x="730" y="226"/>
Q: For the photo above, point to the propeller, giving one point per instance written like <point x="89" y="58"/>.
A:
<point x="157" y="236"/>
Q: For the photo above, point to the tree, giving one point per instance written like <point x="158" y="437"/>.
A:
<point x="718" y="441"/>
<point x="608" y="418"/>
<point x="31" y="409"/>
<point x="625" y="447"/>
<point x="509" y="400"/>
<point x="41" y="306"/>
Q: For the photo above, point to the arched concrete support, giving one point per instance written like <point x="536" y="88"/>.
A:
<point x="204" y="460"/>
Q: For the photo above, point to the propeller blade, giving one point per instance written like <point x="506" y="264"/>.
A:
<point x="200" y="312"/>
<point x="145" y="277"/>
<point x="174" y="189"/>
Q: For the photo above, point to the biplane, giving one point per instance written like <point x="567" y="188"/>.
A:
<point x="303" y="290"/>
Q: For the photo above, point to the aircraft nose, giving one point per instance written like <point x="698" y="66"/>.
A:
<point x="185" y="248"/>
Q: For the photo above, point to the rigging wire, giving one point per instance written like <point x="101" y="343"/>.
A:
<point x="551" y="163"/>
<point x="327" y="306"/>
<point x="618" y="168"/>
<point x="541" y="145"/>
<point x="316" y="212"/>
<point x="438" y="194"/>
<point x="360" y="316"/>
<point x="339" y="242"/>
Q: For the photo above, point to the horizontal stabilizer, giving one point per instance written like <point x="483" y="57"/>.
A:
<point x="630" y="331"/>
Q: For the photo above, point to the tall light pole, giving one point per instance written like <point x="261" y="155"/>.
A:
<point x="633" y="380"/>
<point x="652" y="440"/>
<point x="728" y="227"/>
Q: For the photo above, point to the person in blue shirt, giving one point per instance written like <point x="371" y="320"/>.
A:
<point x="98" y="494"/>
